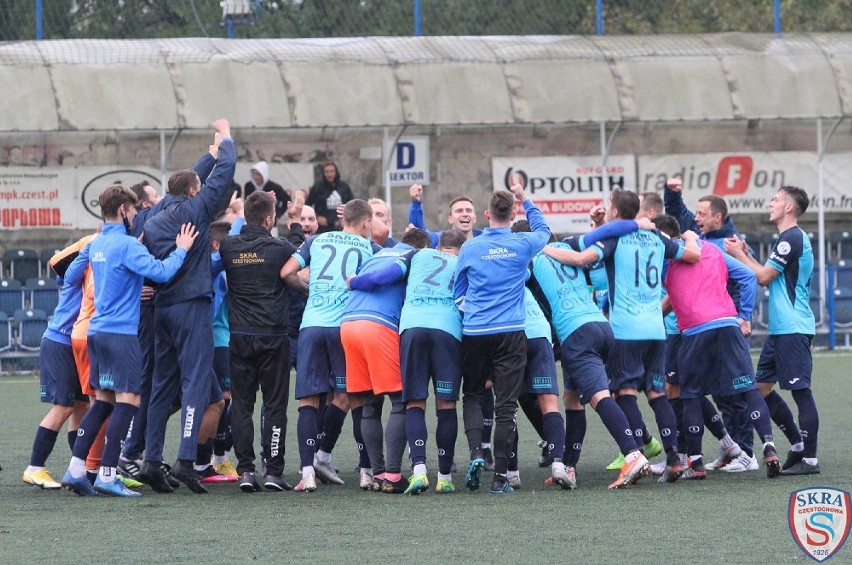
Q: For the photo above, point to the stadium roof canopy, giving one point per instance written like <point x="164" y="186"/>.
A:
<point x="85" y="85"/>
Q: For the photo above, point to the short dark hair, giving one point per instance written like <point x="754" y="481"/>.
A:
<point x="652" y="201"/>
<point x="798" y="196"/>
<point x="717" y="205"/>
<point x="417" y="238"/>
<point x="219" y="230"/>
<point x="626" y="202"/>
<point x="139" y="190"/>
<point x="181" y="181"/>
<point x="501" y="205"/>
<point x="459" y="199"/>
<point x="258" y="206"/>
<point x="668" y="225"/>
<point x="356" y="211"/>
<point x="451" y="239"/>
<point x="113" y="197"/>
<point x="524" y="226"/>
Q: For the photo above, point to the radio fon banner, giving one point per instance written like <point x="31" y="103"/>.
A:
<point x="819" y="519"/>
<point x="748" y="181"/>
<point x="564" y="188"/>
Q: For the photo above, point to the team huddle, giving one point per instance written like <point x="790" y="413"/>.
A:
<point x="176" y="305"/>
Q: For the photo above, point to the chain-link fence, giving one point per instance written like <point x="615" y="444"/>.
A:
<point x="129" y="19"/>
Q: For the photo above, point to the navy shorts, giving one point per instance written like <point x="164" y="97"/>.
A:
<point x="540" y="372"/>
<point x="115" y="362"/>
<point x="323" y="366"/>
<point x="58" y="374"/>
<point x="425" y="355"/>
<point x="222" y="367"/>
<point x="637" y="364"/>
<point x="786" y="359"/>
<point x="672" y="348"/>
<point x="716" y="362"/>
<point x="584" y="355"/>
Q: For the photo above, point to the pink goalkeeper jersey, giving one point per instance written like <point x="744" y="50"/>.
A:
<point x="698" y="292"/>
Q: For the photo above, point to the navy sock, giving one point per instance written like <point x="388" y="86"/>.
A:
<point x="677" y="406"/>
<point x="204" y="453"/>
<point x="306" y="432"/>
<point x="666" y="423"/>
<point x="72" y="437"/>
<point x="616" y="422"/>
<point x="487" y="414"/>
<point x="334" y="418"/>
<point x="783" y="418"/>
<point x="445" y="439"/>
<point x="712" y="419"/>
<point x="363" y="457"/>
<point x="321" y="411"/>
<point x="630" y="408"/>
<point x="554" y="434"/>
<point x="513" y="454"/>
<point x="758" y="412"/>
<point x="575" y="434"/>
<point x="43" y="444"/>
<point x="693" y="422"/>
<point x="90" y="426"/>
<point x="395" y="439"/>
<point x="417" y="434"/>
<point x="116" y="431"/>
<point x="221" y="444"/>
<point x="808" y="420"/>
<point x="529" y="404"/>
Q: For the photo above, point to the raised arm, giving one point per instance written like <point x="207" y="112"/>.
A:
<point x="674" y="205"/>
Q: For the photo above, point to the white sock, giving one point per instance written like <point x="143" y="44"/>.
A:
<point x="77" y="467"/>
<point x="419" y="469"/>
<point x="31" y="469"/>
<point x="631" y="456"/>
<point x="323" y="457"/>
<point x="726" y="441"/>
<point x="810" y="460"/>
<point x="219" y="459"/>
<point x="445" y="477"/>
<point x="308" y="471"/>
<point x="485" y="445"/>
<point x="557" y="466"/>
<point x="510" y="474"/>
<point x="201" y="468"/>
<point x="796" y="447"/>
<point x="694" y="457"/>
<point x="106" y="474"/>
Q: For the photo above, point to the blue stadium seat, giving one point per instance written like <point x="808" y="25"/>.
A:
<point x="843" y="274"/>
<point x="842" y="243"/>
<point x="5" y="332"/>
<point x="843" y="307"/>
<point x="761" y="314"/>
<point x="31" y="325"/>
<point x="46" y="271"/>
<point x="23" y="264"/>
<point x="42" y="294"/>
<point x="11" y="296"/>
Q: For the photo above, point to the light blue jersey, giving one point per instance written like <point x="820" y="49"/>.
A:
<point x="332" y="256"/>
<point x="537" y="324"/>
<point x="790" y="292"/>
<point x="634" y="264"/>
<point x="567" y="292"/>
<point x="429" y="294"/>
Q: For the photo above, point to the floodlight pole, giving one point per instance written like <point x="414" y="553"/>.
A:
<point x="418" y="27"/>
<point x="776" y="8"/>
<point x="599" y="17"/>
<point x="39" y="17"/>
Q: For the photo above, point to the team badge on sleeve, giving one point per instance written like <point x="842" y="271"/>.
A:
<point x="819" y="519"/>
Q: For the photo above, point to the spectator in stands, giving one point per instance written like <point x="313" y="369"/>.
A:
<point x="325" y="196"/>
<point x="260" y="181"/>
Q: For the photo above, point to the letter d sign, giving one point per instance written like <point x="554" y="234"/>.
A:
<point x="733" y="175"/>
<point x="404" y="155"/>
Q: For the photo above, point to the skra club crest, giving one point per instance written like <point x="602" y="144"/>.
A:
<point x="819" y="519"/>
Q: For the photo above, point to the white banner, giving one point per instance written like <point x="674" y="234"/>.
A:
<point x="409" y="162"/>
<point x="564" y="188"/>
<point x="748" y="181"/>
<point x="63" y="197"/>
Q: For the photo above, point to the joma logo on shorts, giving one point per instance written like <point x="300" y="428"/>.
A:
<point x="187" y="425"/>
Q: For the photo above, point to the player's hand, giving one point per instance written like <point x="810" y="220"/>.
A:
<point x="148" y="293"/>
<point x="597" y="215"/>
<point x="186" y="237"/>
<point x="745" y="327"/>
<point x="236" y="205"/>
<point x="416" y="192"/>
<point x="410" y="227"/>
<point x="690" y="235"/>
<point x="518" y="190"/>
<point x="294" y="207"/>
<point x="646" y="224"/>
<point x="223" y="128"/>
<point x="735" y="247"/>
<point x="214" y="149"/>
<point x="349" y="278"/>
<point x="674" y="184"/>
<point x="340" y="211"/>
